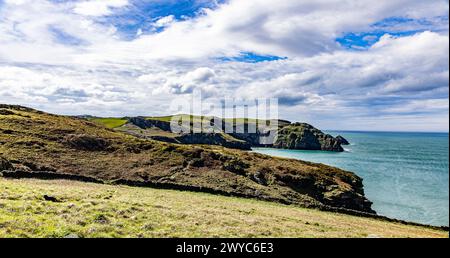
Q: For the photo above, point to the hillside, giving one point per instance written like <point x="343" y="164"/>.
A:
<point x="237" y="133"/>
<point x="94" y="210"/>
<point x="37" y="144"/>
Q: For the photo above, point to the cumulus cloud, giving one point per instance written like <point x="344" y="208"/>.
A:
<point x="66" y="57"/>
<point x="200" y="75"/>
<point x="180" y="83"/>
<point x="98" y="7"/>
<point x="283" y="28"/>
<point x="164" y="21"/>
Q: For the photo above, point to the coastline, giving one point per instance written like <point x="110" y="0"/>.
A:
<point x="381" y="165"/>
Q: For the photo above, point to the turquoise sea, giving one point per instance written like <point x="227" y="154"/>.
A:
<point x="405" y="175"/>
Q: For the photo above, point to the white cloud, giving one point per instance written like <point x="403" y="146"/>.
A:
<point x="98" y="7"/>
<point x="284" y="28"/>
<point x="318" y="83"/>
<point x="180" y="83"/>
<point x="164" y="21"/>
<point x="200" y="75"/>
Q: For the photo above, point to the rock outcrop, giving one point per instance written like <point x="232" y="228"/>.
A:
<point x="6" y="112"/>
<point x="147" y="123"/>
<point x="218" y="138"/>
<point x="342" y="140"/>
<point x="5" y="164"/>
<point x="302" y="136"/>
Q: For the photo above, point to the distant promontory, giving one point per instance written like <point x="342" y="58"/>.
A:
<point x="298" y="136"/>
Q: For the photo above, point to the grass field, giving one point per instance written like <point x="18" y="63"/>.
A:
<point x="184" y="117"/>
<point x="198" y="119"/>
<point x="110" y="122"/>
<point x="95" y="210"/>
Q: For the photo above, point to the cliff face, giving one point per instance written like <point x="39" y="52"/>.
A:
<point x="145" y="123"/>
<point x="302" y="136"/>
<point x="37" y="144"/>
<point x="165" y="134"/>
<point x="342" y="140"/>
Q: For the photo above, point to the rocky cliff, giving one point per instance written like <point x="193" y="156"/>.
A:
<point x="245" y="135"/>
<point x="342" y="140"/>
<point x="147" y="123"/>
<point x="165" y="134"/>
<point x="302" y="136"/>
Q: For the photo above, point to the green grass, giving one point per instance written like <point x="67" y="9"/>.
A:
<point x="94" y="210"/>
<point x="160" y="118"/>
<point x="244" y="120"/>
<point x="110" y="122"/>
<point x="194" y="118"/>
<point x="184" y="117"/>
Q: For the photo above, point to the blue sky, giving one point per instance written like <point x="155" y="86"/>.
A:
<point x="348" y="65"/>
<point x="395" y="26"/>
<point x="141" y="14"/>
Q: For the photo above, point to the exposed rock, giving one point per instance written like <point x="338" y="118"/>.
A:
<point x="22" y="167"/>
<point x="342" y="140"/>
<point x="220" y="139"/>
<point x="264" y="177"/>
<point x="147" y="123"/>
<point x="235" y="165"/>
<point x="50" y="198"/>
<point x="19" y="108"/>
<point x="245" y="135"/>
<point x="5" y="164"/>
<point x="348" y="200"/>
<point x="252" y="133"/>
<point x="72" y="235"/>
<point x="6" y="112"/>
<point x="164" y="139"/>
<point x="302" y="136"/>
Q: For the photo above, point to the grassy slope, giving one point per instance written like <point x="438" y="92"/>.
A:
<point x="43" y="142"/>
<point x="110" y="122"/>
<point x="93" y="210"/>
<point x="184" y="117"/>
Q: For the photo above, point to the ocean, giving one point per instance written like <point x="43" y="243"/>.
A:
<point x="405" y="175"/>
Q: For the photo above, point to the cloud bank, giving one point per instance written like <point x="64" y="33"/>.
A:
<point x="353" y="65"/>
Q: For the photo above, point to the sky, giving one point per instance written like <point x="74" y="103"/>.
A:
<point x="343" y="65"/>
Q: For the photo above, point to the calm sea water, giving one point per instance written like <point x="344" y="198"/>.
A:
<point x="406" y="175"/>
